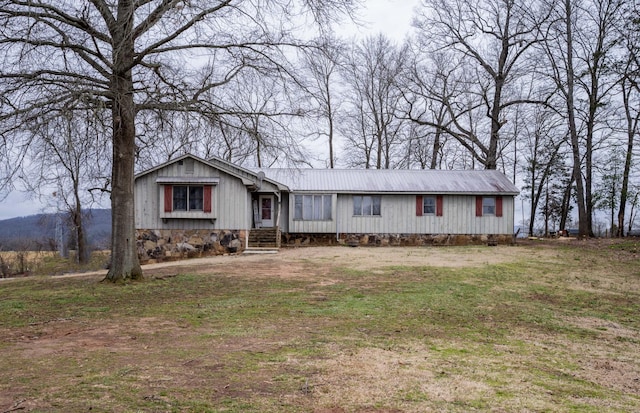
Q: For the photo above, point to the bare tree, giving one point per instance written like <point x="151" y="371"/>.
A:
<point x="429" y="83"/>
<point x="322" y="64"/>
<point x="69" y="157"/>
<point x="543" y="134"/>
<point x="262" y="111"/>
<point x="164" y="135"/>
<point x="492" y="39"/>
<point x="596" y="45"/>
<point x="629" y="69"/>
<point x="560" y="50"/>
<point x="132" y="56"/>
<point x="374" y="130"/>
<point x="581" y="49"/>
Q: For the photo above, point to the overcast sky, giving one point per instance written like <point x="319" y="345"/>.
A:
<point x="392" y="17"/>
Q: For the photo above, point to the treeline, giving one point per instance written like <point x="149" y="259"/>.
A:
<point x="54" y="232"/>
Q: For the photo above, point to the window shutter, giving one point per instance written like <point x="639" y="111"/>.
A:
<point x="479" y="205"/>
<point x="419" y="207"/>
<point x="206" y="206"/>
<point x="439" y="211"/>
<point x="498" y="206"/>
<point x="168" y="198"/>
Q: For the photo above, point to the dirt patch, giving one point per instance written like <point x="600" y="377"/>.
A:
<point x="295" y="262"/>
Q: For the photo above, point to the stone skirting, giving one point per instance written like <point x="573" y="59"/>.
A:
<point x="169" y="244"/>
<point x="296" y="240"/>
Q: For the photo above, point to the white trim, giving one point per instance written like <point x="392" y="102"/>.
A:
<point x="166" y="180"/>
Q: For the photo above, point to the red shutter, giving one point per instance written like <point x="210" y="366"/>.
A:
<point x="419" y="207"/>
<point x="206" y="207"/>
<point x="498" y="206"/>
<point x="168" y="198"/>
<point x="439" y="206"/>
<point x="479" y="205"/>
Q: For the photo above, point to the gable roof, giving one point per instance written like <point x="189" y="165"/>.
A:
<point x="398" y="181"/>
<point x="394" y="181"/>
<point x="248" y="177"/>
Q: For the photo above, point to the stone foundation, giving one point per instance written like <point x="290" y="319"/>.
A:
<point x="298" y="240"/>
<point x="169" y="244"/>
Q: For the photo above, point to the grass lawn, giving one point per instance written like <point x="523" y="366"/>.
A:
<point x="547" y="327"/>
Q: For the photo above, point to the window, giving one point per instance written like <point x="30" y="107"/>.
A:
<point x="187" y="198"/>
<point x="489" y="205"/>
<point x="366" y="205"/>
<point x="429" y="205"/>
<point x="312" y="207"/>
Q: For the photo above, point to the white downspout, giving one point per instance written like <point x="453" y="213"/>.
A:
<point x="337" y="228"/>
<point x="278" y="230"/>
<point x="278" y="195"/>
<point x="248" y="226"/>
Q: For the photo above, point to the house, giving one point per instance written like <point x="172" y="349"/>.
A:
<point x="191" y="205"/>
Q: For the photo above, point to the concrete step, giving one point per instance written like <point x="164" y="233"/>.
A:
<point x="254" y="250"/>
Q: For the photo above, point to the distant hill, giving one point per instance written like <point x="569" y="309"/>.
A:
<point x="38" y="232"/>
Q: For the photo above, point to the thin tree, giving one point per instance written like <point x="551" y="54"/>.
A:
<point x="429" y="83"/>
<point x="322" y="64"/>
<point x="596" y="45"/>
<point x="630" y="90"/>
<point x="71" y="158"/>
<point x="560" y="51"/>
<point x="371" y="71"/>
<point x="543" y="157"/>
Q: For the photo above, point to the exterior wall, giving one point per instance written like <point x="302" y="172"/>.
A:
<point x="230" y="201"/>
<point x="284" y="209"/>
<point x="160" y="245"/>
<point x="398" y="216"/>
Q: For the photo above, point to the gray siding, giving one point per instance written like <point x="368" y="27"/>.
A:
<point x="284" y="209"/>
<point x="230" y="201"/>
<point x="398" y="216"/>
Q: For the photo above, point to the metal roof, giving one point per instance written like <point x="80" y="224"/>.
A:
<point x="393" y="181"/>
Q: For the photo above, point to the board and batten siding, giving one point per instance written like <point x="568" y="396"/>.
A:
<point x="283" y="209"/>
<point x="229" y="205"/>
<point x="398" y="216"/>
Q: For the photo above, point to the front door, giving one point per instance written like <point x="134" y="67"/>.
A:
<point x="266" y="210"/>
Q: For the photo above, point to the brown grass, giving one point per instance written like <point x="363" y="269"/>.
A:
<point x="537" y="327"/>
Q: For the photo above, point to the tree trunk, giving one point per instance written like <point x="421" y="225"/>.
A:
<point x="631" y="127"/>
<point x="330" y="119"/>
<point x="82" y="253"/>
<point x="124" y="255"/>
<point x="583" y="227"/>
<point x="496" y="125"/>
<point x="435" y="149"/>
<point x="566" y="201"/>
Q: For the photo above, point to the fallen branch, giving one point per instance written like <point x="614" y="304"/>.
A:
<point x="16" y="406"/>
